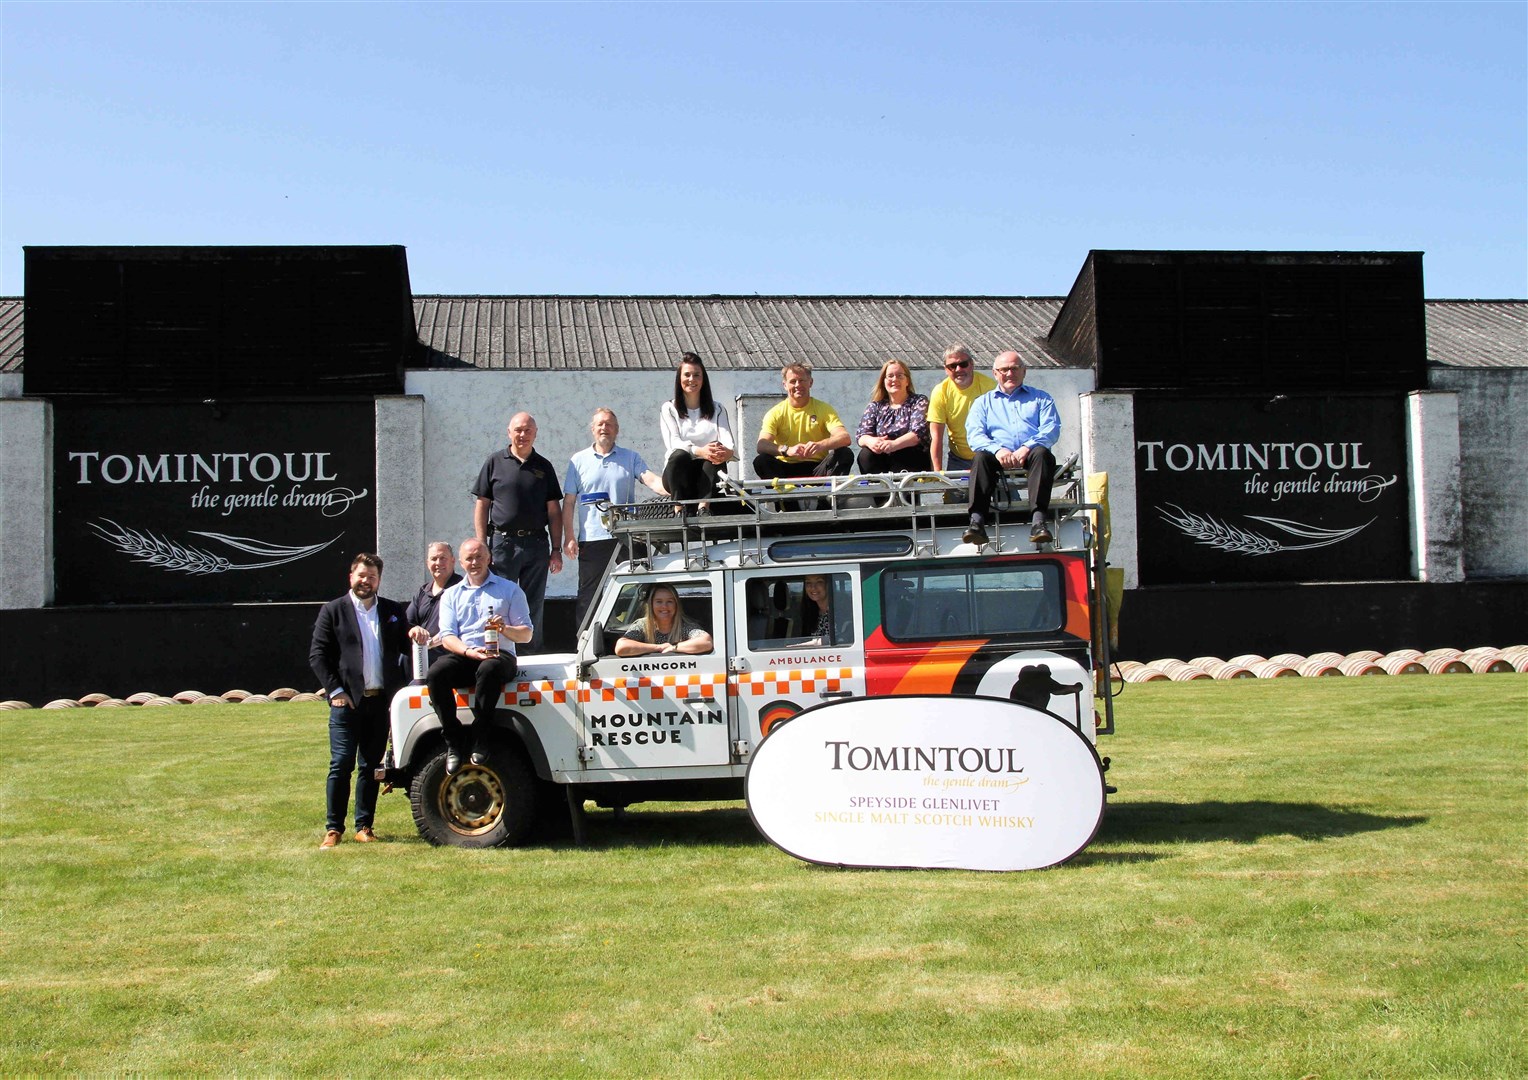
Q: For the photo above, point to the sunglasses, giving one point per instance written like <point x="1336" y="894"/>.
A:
<point x="959" y="365"/>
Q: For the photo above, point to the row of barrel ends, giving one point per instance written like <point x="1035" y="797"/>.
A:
<point x="1479" y="661"/>
<point x="185" y="697"/>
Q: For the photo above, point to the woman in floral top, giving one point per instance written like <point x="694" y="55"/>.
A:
<point x="893" y="433"/>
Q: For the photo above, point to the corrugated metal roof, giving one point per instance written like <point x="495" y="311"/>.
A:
<point x="761" y="332"/>
<point x="1477" y="333"/>
<point x="11" y="310"/>
<point x="729" y="332"/>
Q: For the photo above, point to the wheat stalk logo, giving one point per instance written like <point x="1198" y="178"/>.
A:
<point x="1222" y="535"/>
<point x="145" y="547"/>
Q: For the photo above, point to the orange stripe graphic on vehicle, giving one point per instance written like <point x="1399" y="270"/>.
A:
<point x="928" y="669"/>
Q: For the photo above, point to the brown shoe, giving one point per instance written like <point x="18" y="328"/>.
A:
<point x="364" y="835"/>
<point x="331" y="838"/>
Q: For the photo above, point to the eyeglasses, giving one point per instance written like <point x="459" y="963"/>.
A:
<point x="1006" y="370"/>
<point x="959" y="365"/>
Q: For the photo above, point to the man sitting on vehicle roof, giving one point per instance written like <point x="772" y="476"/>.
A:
<point x="1012" y="427"/>
<point x="948" y="407"/>
<point x="802" y="436"/>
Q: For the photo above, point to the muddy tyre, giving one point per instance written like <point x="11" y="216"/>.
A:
<point x="488" y="805"/>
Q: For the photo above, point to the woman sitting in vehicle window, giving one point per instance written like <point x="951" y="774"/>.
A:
<point x="663" y="628"/>
<point x="816" y="610"/>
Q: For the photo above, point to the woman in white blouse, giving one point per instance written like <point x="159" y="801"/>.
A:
<point x="696" y="439"/>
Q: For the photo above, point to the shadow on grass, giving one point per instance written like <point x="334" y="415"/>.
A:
<point x="1137" y="823"/>
<point x="1090" y="856"/>
<point x="635" y="828"/>
<point x="1239" y="822"/>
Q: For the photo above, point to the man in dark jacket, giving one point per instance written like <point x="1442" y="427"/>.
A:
<point x="424" y="609"/>
<point x="360" y="655"/>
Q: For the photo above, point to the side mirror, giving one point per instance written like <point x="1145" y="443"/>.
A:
<point x="594" y="648"/>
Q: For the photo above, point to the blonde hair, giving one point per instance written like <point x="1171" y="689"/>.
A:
<point x="879" y="394"/>
<point x="650" y="625"/>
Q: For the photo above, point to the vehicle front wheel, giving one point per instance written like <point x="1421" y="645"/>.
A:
<point x="488" y="805"/>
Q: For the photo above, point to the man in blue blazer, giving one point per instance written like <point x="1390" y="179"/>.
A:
<point x="360" y="655"/>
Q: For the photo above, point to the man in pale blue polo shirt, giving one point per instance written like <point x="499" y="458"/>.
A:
<point x="1012" y="427"/>
<point x="466" y="611"/>
<point x="602" y="472"/>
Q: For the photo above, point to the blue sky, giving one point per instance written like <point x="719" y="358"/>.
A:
<point x="772" y="148"/>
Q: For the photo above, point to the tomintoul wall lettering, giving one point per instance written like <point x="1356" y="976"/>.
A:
<point x="210" y="502"/>
<point x="1271" y="488"/>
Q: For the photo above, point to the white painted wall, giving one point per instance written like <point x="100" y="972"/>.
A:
<point x="26" y="503"/>
<point x="1108" y="440"/>
<point x="466" y="414"/>
<point x="1493" y="467"/>
<point x="1432" y="441"/>
<point x="431" y="442"/>
<point x="400" y="478"/>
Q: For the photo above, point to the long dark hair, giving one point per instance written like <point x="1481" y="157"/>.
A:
<point x="707" y="404"/>
<point x="811" y="614"/>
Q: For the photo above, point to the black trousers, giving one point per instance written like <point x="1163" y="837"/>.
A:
<point x="487" y="679"/>
<point x="688" y="477"/>
<point x="912" y="459"/>
<point x="525" y="560"/>
<point x="986" y="472"/>
<point x="836" y="463"/>
<point x="593" y="557"/>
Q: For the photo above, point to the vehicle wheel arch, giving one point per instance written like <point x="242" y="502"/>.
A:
<point x="517" y="725"/>
<point x="418" y="744"/>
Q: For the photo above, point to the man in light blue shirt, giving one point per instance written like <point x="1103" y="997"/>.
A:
<point x="481" y="602"/>
<point x="1012" y="427"/>
<point x="603" y="472"/>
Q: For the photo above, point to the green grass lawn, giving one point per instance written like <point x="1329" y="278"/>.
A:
<point x="1298" y="878"/>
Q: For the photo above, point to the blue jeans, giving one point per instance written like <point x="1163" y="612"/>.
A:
<point x="357" y="738"/>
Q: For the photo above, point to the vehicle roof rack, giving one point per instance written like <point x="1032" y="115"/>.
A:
<point x="845" y="504"/>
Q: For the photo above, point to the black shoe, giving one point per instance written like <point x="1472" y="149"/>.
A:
<point x="453" y="761"/>
<point x="974" y="535"/>
<point x="1039" y="532"/>
<point x="479" y="757"/>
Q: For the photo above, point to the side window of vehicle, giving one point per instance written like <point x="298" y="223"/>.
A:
<point x="631" y="606"/>
<point x="791" y="610"/>
<point x="939" y="602"/>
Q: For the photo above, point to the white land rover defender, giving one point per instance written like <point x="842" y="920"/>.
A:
<point x="911" y="609"/>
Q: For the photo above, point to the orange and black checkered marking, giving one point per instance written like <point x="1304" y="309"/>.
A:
<point x="537" y="693"/>
<point x="650" y="688"/>
<point x="792" y="681"/>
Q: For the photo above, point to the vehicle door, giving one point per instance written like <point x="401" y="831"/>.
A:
<point x="783" y="657"/>
<point x="1011" y="627"/>
<point x="657" y="711"/>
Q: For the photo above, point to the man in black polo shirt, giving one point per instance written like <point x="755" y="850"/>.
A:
<point x="518" y="501"/>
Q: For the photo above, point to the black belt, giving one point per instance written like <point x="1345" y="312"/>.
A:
<point x="517" y="532"/>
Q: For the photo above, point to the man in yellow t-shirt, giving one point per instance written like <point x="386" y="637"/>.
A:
<point x="801" y="436"/>
<point x="948" y="406"/>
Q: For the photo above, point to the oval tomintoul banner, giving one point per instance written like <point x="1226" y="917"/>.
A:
<point x="927" y="781"/>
